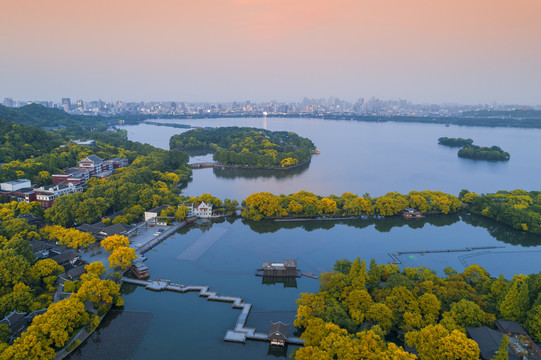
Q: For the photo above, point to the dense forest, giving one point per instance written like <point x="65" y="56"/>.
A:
<point x="247" y="146"/>
<point x="19" y="142"/>
<point x="28" y="284"/>
<point x="370" y="313"/>
<point x="475" y="152"/>
<point x="305" y="204"/>
<point x="454" y="142"/>
<point x="518" y="208"/>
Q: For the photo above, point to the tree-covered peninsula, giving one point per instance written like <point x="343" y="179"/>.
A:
<point x="493" y="153"/>
<point x="241" y="146"/>
<point x="370" y="313"/>
<point x="263" y="205"/>
<point x="454" y="142"/>
<point x="518" y="208"/>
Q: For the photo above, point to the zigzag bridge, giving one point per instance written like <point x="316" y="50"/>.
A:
<point x="240" y="333"/>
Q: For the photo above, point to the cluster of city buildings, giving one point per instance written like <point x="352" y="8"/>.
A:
<point x="321" y="106"/>
<point x="72" y="180"/>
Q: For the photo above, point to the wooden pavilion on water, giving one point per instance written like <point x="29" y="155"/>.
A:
<point x="273" y="269"/>
<point x="278" y="332"/>
<point x="140" y="270"/>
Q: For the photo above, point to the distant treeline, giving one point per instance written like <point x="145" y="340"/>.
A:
<point x="454" y="142"/>
<point x="494" y="153"/>
<point x="470" y="151"/>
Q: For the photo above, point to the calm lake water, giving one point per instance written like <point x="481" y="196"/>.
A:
<point x="355" y="157"/>
<point x="362" y="157"/>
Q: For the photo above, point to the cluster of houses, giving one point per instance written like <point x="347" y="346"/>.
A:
<point x="199" y="210"/>
<point x="18" y="322"/>
<point x="70" y="182"/>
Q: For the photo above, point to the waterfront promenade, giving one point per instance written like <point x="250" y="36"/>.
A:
<point x="240" y="333"/>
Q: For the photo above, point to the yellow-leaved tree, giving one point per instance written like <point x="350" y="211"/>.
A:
<point x="122" y="256"/>
<point x="112" y="242"/>
<point x="434" y="342"/>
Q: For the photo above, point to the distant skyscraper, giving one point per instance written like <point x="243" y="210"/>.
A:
<point x="80" y="104"/>
<point x="66" y="104"/>
<point x="8" y="102"/>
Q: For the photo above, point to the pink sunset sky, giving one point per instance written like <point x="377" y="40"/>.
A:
<point x="467" y="51"/>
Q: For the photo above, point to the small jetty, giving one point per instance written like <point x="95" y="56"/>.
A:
<point x="395" y="260"/>
<point x="310" y="275"/>
<point x="240" y="333"/>
<point x="161" y="237"/>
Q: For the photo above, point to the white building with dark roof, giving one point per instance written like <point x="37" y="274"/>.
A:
<point x="202" y="210"/>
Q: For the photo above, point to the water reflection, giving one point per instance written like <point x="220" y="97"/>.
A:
<point x="502" y="232"/>
<point x="288" y="282"/>
<point x="499" y="231"/>
<point x="277" y="351"/>
<point x="380" y="224"/>
<point x="233" y="173"/>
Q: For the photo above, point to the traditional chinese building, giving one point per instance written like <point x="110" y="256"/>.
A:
<point x="274" y="269"/>
<point x="278" y="332"/>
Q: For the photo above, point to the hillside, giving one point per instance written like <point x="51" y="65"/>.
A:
<point x="20" y="142"/>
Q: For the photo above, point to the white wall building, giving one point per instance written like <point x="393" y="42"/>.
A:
<point x="202" y="210"/>
<point x="15" y="185"/>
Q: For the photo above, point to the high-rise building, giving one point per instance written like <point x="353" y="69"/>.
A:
<point x="66" y="104"/>
<point x="80" y="104"/>
<point x="8" y="102"/>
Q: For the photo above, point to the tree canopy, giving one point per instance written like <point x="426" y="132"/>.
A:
<point x="306" y="204"/>
<point x="381" y="307"/>
<point x="248" y="146"/>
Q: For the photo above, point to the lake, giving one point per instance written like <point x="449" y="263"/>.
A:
<point x="363" y="157"/>
<point x="355" y="157"/>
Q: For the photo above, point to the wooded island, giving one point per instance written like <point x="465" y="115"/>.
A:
<point x="249" y="147"/>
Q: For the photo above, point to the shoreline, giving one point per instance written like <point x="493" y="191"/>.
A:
<point x="220" y="165"/>
<point x="316" y="219"/>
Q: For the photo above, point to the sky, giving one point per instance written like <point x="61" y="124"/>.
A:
<point x="426" y="51"/>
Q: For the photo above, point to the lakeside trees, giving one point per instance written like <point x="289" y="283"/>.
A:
<point x="247" y="146"/>
<point x="121" y="254"/>
<point x="358" y="307"/>
<point x="517" y="208"/>
<point x="305" y="204"/>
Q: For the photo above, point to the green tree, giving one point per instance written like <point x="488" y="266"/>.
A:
<point x="515" y="305"/>
<point x="503" y="350"/>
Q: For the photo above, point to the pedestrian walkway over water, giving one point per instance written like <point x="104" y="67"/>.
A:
<point x="395" y="260"/>
<point x="240" y="333"/>
<point x="161" y="237"/>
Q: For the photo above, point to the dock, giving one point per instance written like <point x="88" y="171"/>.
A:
<point x="240" y="333"/>
<point x="310" y="275"/>
<point x="159" y="238"/>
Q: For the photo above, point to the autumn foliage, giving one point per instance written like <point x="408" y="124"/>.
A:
<point x="365" y="312"/>
<point x="305" y="204"/>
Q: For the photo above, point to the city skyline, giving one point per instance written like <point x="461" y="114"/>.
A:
<point x="467" y="52"/>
